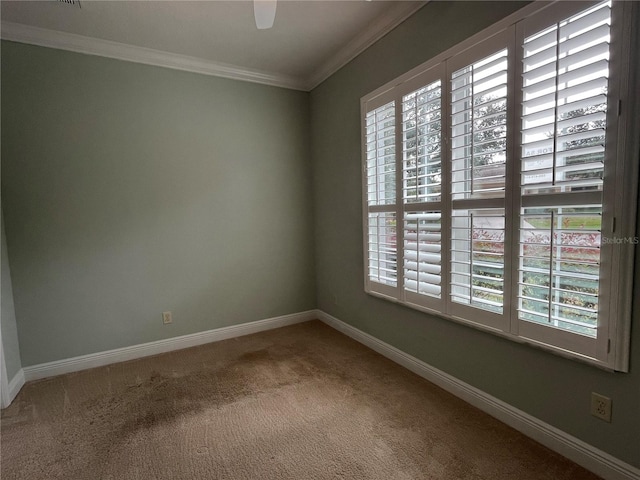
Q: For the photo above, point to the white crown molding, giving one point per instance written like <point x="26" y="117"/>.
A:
<point x="75" y="364"/>
<point x="588" y="456"/>
<point x="105" y="48"/>
<point x="43" y="37"/>
<point x="374" y="32"/>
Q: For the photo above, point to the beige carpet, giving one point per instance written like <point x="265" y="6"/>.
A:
<point x="301" y="402"/>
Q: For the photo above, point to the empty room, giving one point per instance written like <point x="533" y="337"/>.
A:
<point x="319" y="239"/>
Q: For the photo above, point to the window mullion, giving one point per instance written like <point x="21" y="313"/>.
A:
<point x="514" y="176"/>
<point x="399" y="205"/>
<point x="556" y="92"/>
<point x="512" y="183"/>
<point x="446" y="200"/>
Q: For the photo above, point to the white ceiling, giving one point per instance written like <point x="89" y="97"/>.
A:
<point x="309" y="41"/>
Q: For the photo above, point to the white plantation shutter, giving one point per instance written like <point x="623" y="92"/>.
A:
<point x="479" y="128"/>
<point x="382" y="248"/>
<point x="422" y="252"/>
<point x="495" y="177"/>
<point x="422" y="194"/>
<point x="564" y="105"/>
<point x="381" y="239"/>
<point x="477" y="259"/>
<point x="565" y="70"/>
<point x="421" y="146"/>
<point x="381" y="151"/>
<point x="560" y="267"/>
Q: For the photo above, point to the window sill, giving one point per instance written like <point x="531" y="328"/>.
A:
<point x="500" y="333"/>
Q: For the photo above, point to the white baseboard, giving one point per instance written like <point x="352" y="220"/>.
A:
<point x="16" y="383"/>
<point x="11" y="389"/>
<point x="591" y="458"/>
<point x="108" y="357"/>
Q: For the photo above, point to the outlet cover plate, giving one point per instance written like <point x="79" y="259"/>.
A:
<point x="601" y="407"/>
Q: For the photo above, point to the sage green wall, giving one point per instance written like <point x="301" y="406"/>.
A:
<point x="129" y="190"/>
<point x="10" y="345"/>
<point x="546" y="386"/>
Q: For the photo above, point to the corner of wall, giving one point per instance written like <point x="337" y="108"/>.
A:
<point x="9" y="345"/>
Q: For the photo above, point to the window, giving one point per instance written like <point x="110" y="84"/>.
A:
<point x="494" y="175"/>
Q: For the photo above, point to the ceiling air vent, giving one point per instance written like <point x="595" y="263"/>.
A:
<point x="71" y="3"/>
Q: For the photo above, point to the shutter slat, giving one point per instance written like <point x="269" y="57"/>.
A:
<point x="577" y="92"/>
<point x="580" y="119"/>
<point x="423" y="247"/>
<point x="598" y="15"/>
<point x="540" y="58"/>
<point x="598" y="34"/>
<point x="534" y="76"/>
<point x="581" y="104"/>
<point x="594" y="53"/>
<point x="540" y="42"/>
<point x="600" y="68"/>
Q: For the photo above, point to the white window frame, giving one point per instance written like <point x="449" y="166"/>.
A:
<point x="610" y="349"/>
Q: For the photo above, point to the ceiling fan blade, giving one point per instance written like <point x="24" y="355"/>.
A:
<point x="264" y="12"/>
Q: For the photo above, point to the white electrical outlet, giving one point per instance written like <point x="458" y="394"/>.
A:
<point x="166" y="318"/>
<point x="601" y="407"/>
